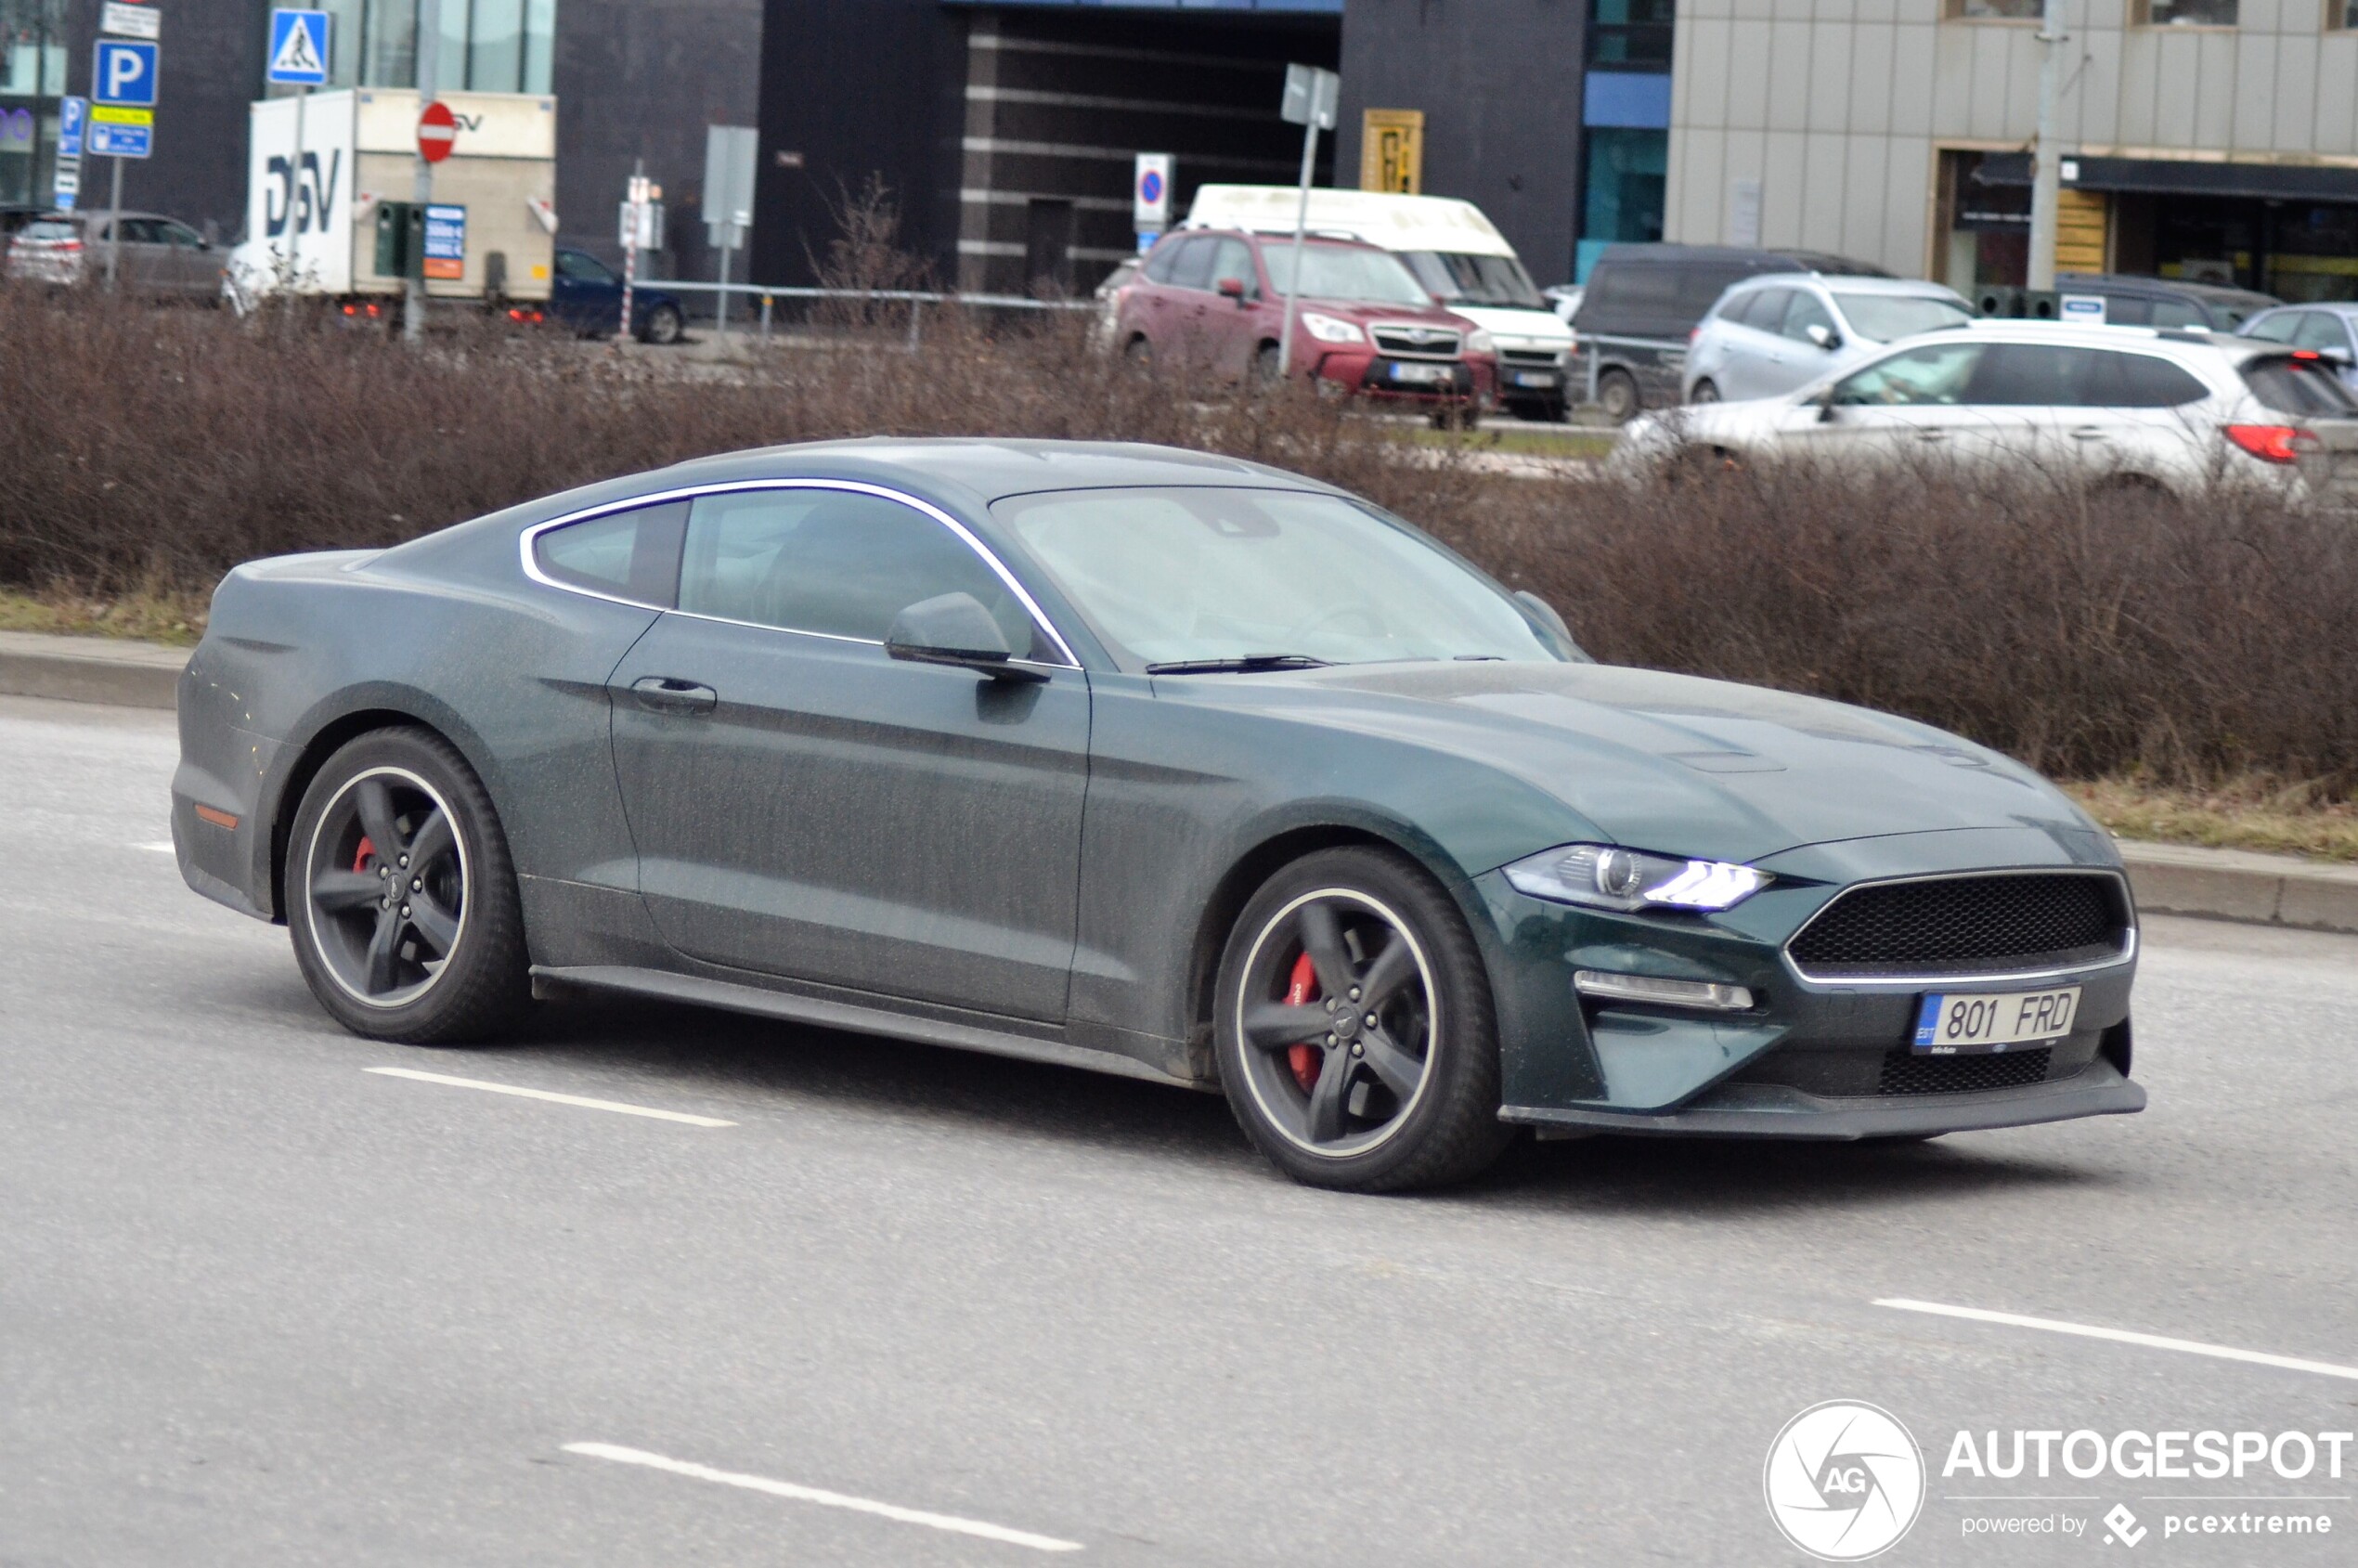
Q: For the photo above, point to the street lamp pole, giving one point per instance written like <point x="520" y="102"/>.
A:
<point x="2046" y="186"/>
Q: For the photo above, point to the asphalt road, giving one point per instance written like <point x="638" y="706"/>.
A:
<point x="260" y="1305"/>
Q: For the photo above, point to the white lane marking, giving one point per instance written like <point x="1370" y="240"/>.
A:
<point x="949" y="1521"/>
<point x="616" y="1106"/>
<point x="2123" y="1336"/>
<point x="161" y="847"/>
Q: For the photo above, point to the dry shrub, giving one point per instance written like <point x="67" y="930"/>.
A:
<point x="2087" y="635"/>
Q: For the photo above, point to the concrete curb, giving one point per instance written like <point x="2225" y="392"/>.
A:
<point x="91" y="669"/>
<point x="2167" y="878"/>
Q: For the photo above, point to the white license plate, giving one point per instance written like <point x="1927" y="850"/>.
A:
<point x="1534" y="377"/>
<point x="1427" y="373"/>
<point x="1957" y="1024"/>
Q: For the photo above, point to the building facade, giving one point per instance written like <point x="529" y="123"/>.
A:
<point x="2206" y="140"/>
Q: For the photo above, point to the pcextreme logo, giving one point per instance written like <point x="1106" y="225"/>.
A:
<point x="1844" y="1480"/>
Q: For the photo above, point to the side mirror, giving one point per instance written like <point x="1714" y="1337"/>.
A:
<point x="954" y="628"/>
<point x="1825" y="337"/>
<point x="1234" y="288"/>
<point x="1550" y="617"/>
<point x="1824" y="403"/>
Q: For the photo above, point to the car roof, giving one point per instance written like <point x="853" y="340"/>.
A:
<point x="1664" y="253"/>
<point x="2015" y="329"/>
<point x="977" y="470"/>
<point x="1921" y="288"/>
<point x="2160" y="288"/>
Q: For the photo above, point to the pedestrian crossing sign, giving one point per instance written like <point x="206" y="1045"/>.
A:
<point x="299" y="48"/>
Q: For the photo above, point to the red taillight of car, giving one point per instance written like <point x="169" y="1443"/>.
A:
<point x="528" y="317"/>
<point x="369" y="310"/>
<point x="1693" y="333"/>
<point x="2274" y="443"/>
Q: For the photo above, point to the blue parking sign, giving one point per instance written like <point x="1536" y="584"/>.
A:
<point x="123" y="74"/>
<point x="72" y="114"/>
<point x="299" y="48"/>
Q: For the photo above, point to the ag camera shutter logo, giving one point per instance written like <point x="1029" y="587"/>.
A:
<point x="1844" y="1480"/>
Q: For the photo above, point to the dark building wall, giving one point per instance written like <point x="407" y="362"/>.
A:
<point x="210" y="69"/>
<point x="852" y="88"/>
<point x="1059" y="101"/>
<point x="643" y="78"/>
<point x="1500" y="83"/>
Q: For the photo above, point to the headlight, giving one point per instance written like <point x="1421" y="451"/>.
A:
<point x="1606" y="876"/>
<point x="1328" y="329"/>
<point x="1480" y="342"/>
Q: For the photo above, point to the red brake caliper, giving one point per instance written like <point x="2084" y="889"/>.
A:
<point x="1300" y="989"/>
<point x="361" y="857"/>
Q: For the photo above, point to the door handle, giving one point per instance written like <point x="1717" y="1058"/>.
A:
<point x="2089" y="433"/>
<point x="1932" y="435"/>
<point x="662" y="693"/>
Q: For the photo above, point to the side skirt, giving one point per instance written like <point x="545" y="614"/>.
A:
<point x="848" y="1016"/>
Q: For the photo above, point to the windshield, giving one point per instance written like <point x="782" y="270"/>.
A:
<point x="1455" y="278"/>
<point x="1882" y="318"/>
<point x="1171" y="576"/>
<point x="1337" y="272"/>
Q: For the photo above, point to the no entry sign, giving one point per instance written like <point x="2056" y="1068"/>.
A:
<point x="437" y="130"/>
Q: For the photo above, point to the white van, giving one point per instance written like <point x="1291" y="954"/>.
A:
<point x="1462" y="260"/>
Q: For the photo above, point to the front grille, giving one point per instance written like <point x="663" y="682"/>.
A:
<point x="1904" y="1072"/>
<point x="1534" y="358"/>
<point x="1428" y="343"/>
<point x="1965" y="925"/>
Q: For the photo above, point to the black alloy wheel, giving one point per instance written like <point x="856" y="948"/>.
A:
<point x="401" y="900"/>
<point x="661" y="324"/>
<point x="1356" y="1032"/>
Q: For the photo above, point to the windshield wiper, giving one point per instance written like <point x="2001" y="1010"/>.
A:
<point x="1247" y="664"/>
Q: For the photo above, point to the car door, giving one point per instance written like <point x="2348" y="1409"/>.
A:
<point x="584" y="293"/>
<point x="2136" y="420"/>
<point x="1751" y="365"/>
<point x="1803" y="359"/>
<point x="806" y="806"/>
<point x="190" y="268"/>
<point x="2036" y="411"/>
<point x="1907" y="408"/>
<point x="1231" y="326"/>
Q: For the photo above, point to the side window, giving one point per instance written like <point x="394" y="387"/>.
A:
<point x="1764" y="309"/>
<point x="1804" y="312"/>
<point x="1936" y="374"/>
<point x="833" y="562"/>
<point x="141" y="232"/>
<point x="1157" y="269"/>
<point x="1233" y="259"/>
<point x="1192" y="267"/>
<point x="2127" y="310"/>
<point x="2321" y="329"/>
<point x="2140" y="381"/>
<point x="2017" y="375"/>
<point x="2277" y="326"/>
<point x="581" y="268"/>
<point x="632" y="555"/>
<point x="2180" y="313"/>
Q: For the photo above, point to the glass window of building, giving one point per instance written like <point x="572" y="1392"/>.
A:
<point x="33" y="73"/>
<point x="1630" y="35"/>
<point x="482" y="46"/>
<point x="1994" y="10"/>
<point x="2183" y="13"/>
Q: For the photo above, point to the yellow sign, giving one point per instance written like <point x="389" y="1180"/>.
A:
<point x="116" y="114"/>
<point x="1391" y="151"/>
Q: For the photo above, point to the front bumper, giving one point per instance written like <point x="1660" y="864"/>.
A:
<point x="1828" y="1059"/>
<point x="1379" y="375"/>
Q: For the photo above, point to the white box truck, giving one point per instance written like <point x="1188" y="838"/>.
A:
<point x="314" y="216"/>
<point x="1455" y="252"/>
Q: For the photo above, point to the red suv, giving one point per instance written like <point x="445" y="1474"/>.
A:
<point x="1210" y="300"/>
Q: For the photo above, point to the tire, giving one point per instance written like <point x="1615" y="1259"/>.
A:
<point x="661" y="326"/>
<point x="1391" y="1117"/>
<point x="1266" y="369"/>
<point x="1618" y="395"/>
<point x="373" y="963"/>
<point x="1705" y="391"/>
<point x="1138" y="351"/>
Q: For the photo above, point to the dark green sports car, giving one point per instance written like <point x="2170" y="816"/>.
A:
<point x="1142" y="760"/>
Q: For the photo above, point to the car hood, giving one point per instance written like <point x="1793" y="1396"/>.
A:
<point x="1683" y="765"/>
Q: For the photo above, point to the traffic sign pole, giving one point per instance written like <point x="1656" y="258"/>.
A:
<point x="114" y="226"/>
<point x="413" y="303"/>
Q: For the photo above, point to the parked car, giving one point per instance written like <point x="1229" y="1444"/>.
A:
<point x="1210" y="301"/>
<point x="586" y="294"/>
<point x="160" y="255"/>
<point x="1459" y="254"/>
<point x="1564" y="299"/>
<point x="1660" y="291"/>
<point x="2329" y="327"/>
<point x="1141" y="761"/>
<point x="2166" y="302"/>
<point x="1783" y="329"/>
<point x="1105" y="325"/>
<point x="2103" y="406"/>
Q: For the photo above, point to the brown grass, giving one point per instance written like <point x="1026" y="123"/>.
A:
<point x="2108" y="637"/>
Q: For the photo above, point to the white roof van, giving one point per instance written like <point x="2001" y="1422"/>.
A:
<point x="1462" y="260"/>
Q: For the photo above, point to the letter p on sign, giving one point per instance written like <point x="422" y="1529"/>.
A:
<point x="124" y="73"/>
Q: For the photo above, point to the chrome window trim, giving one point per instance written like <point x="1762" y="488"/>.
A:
<point x="689" y="492"/>
<point x="2127" y="954"/>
